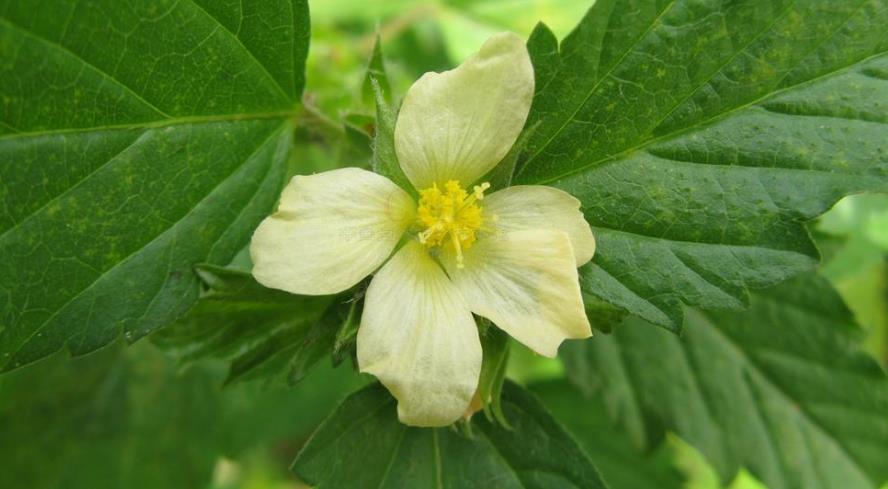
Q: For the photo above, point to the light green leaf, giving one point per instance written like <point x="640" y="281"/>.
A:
<point x="134" y="142"/>
<point x="376" y="71"/>
<point x="264" y="333"/>
<point x="611" y="450"/>
<point x="363" y="444"/>
<point x="782" y="389"/>
<point x="701" y="134"/>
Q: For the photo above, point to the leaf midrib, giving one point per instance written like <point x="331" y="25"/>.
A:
<point x="351" y="427"/>
<point x="663" y="239"/>
<point x="250" y="54"/>
<point x="801" y="408"/>
<point x="218" y="25"/>
<point x="104" y="273"/>
<point x="515" y="469"/>
<point x="55" y="45"/>
<point x="626" y="53"/>
<point x="146" y="127"/>
<point x="173" y="121"/>
<point x="714" y="118"/>
<point x="68" y="189"/>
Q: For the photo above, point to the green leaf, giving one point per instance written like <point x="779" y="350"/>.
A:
<point x="495" y="350"/>
<point x="362" y="444"/>
<point x="701" y="134"/>
<point x="256" y="415"/>
<point x="264" y="333"/>
<point x="376" y="71"/>
<point x="118" y="417"/>
<point x="135" y="142"/>
<point x="346" y="343"/>
<point x="385" y="159"/>
<point x="782" y="389"/>
<point x="107" y="420"/>
<point x="621" y="465"/>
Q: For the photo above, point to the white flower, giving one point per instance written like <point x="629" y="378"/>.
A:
<point x="510" y="257"/>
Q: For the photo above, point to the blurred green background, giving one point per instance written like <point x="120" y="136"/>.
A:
<point x="132" y="409"/>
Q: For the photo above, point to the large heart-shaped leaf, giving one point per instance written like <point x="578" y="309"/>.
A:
<point x="781" y="389"/>
<point x="135" y="140"/>
<point x="701" y="134"/>
<point x="362" y="444"/>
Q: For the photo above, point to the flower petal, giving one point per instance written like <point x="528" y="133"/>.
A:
<point x="526" y="283"/>
<point x="541" y="207"/>
<point x="331" y="230"/>
<point x="418" y="337"/>
<point x="459" y="124"/>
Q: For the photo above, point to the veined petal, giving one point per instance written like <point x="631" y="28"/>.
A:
<point x="331" y="230"/>
<point x="457" y="125"/>
<point x="540" y="207"/>
<point x="418" y="337"/>
<point x="526" y="283"/>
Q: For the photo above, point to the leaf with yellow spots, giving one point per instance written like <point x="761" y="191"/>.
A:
<point x="160" y="131"/>
<point x="700" y="136"/>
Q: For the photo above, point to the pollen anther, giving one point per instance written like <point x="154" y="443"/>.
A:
<point x="450" y="217"/>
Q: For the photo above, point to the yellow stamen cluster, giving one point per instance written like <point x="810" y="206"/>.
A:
<point x="450" y="217"/>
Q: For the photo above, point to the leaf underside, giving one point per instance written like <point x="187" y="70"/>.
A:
<point x="701" y="135"/>
<point x="264" y="333"/>
<point x="134" y="142"/>
<point x="781" y="389"/>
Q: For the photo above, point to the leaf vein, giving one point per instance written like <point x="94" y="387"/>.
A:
<point x="609" y="159"/>
<point x="251" y="55"/>
<point x="27" y="33"/>
<point x="601" y="80"/>
<point x="801" y="409"/>
<point x="61" y="308"/>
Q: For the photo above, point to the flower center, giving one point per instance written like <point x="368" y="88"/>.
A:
<point x="450" y="217"/>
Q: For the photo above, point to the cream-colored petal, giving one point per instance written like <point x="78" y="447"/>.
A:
<point x="540" y="207"/>
<point x="418" y="337"/>
<point x="457" y="125"/>
<point x="330" y="230"/>
<point x="526" y="283"/>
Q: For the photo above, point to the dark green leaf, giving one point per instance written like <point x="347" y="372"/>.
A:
<point x="106" y="421"/>
<point x="501" y="175"/>
<point x="495" y="349"/>
<point x="364" y="445"/>
<point x="135" y="141"/>
<point x="129" y="418"/>
<point x="782" y="389"/>
<point x="701" y="134"/>
<point x="263" y="332"/>
<point x="345" y="344"/>
<point x="621" y="465"/>
<point x="254" y="415"/>
<point x="385" y="160"/>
